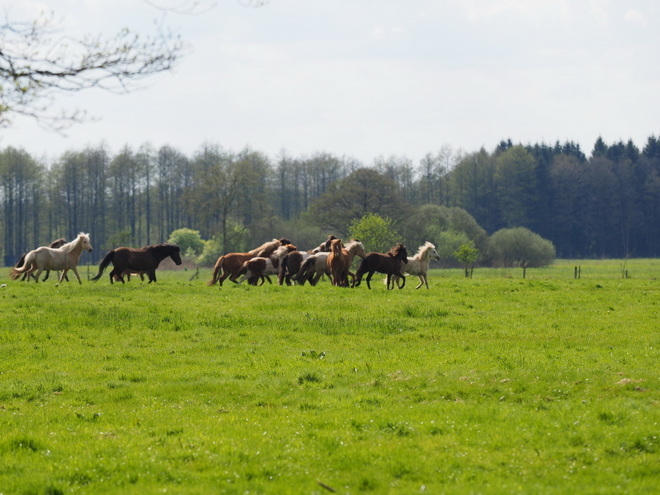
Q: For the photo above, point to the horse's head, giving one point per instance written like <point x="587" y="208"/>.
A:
<point x="175" y="253"/>
<point x="399" y="251"/>
<point x="336" y="246"/>
<point x="85" y="242"/>
<point x="358" y="248"/>
<point x="429" y="252"/>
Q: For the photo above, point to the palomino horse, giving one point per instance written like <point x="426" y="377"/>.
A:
<point x="63" y="258"/>
<point x="145" y="259"/>
<point x="389" y="263"/>
<point x="229" y="264"/>
<point x="419" y="264"/>
<point x="55" y="244"/>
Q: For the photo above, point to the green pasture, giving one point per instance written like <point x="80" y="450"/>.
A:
<point x="495" y="384"/>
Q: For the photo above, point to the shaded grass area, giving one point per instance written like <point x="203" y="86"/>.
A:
<point x="491" y="385"/>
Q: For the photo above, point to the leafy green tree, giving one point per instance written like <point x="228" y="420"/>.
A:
<point x="188" y="240"/>
<point x="467" y="254"/>
<point x="364" y="191"/>
<point x="515" y="178"/>
<point x="448" y="242"/>
<point x="521" y="247"/>
<point x="375" y="232"/>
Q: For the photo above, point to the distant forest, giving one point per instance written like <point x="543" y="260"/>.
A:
<point x="605" y="205"/>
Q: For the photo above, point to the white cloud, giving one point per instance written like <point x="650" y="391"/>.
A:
<point x="635" y="17"/>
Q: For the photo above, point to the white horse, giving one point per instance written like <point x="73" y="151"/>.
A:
<point x="64" y="258"/>
<point x="419" y="264"/>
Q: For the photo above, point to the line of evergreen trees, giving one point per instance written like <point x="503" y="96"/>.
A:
<point x="603" y="205"/>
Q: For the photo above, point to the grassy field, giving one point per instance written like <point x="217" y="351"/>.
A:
<point x="498" y="384"/>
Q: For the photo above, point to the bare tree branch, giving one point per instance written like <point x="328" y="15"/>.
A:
<point x="37" y="62"/>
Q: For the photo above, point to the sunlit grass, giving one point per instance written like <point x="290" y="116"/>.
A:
<point x="497" y="384"/>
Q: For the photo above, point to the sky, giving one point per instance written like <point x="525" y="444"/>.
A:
<point x="368" y="79"/>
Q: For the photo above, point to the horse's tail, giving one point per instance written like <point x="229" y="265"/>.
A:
<point x="301" y="276"/>
<point x="19" y="270"/>
<point x="104" y="263"/>
<point x="21" y="261"/>
<point x="217" y="269"/>
<point x="284" y="270"/>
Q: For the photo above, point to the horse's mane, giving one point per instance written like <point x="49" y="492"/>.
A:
<point x="423" y="249"/>
<point x="69" y="246"/>
<point x="265" y="247"/>
<point x="282" y="250"/>
<point x="396" y="249"/>
<point x="336" y="246"/>
<point x="167" y="247"/>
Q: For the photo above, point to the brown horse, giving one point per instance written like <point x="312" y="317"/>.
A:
<point x="145" y="259"/>
<point x="229" y="264"/>
<point x="291" y="263"/>
<point x="55" y="244"/>
<point x="389" y="263"/>
<point x="338" y="263"/>
<point x="316" y="265"/>
<point x="261" y="268"/>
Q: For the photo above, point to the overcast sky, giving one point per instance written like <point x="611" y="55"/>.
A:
<point x="372" y="78"/>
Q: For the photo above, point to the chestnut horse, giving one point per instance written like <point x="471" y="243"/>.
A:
<point x="229" y="264"/>
<point x="64" y="258"/>
<point x="340" y="259"/>
<point x="316" y="265"/>
<point x="389" y="263"/>
<point x="145" y="259"/>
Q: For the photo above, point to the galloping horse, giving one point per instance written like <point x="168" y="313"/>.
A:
<point x="229" y="264"/>
<point x="261" y="268"/>
<point x="145" y="259"/>
<point x="389" y="263"/>
<point x="64" y="258"/>
<point x="55" y="244"/>
<point x="292" y="262"/>
<point x="340" y="259"/>
<point x="316" y="265"/>
<point x="312" y="269"/>
<point x="338" y="263"/>
<point x="419" y="264"/>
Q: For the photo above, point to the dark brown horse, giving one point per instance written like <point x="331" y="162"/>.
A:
<point x="389" y="263"/>
<point x="145" y="259"/>
<point x="55" y="244"/>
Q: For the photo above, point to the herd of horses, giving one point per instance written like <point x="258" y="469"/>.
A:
<point x="278" y="257"/>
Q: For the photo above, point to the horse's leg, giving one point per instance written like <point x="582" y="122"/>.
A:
<point x="421" y="281"/>
<point x="116" y="273"/>
<point x="36" y="277"/>
<point x="404" y="282"/>
<point x="369" y="279"/>
<point x="46" y="276"/>
<point x="75" y="272"/>
<point x="152" y="275"/>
